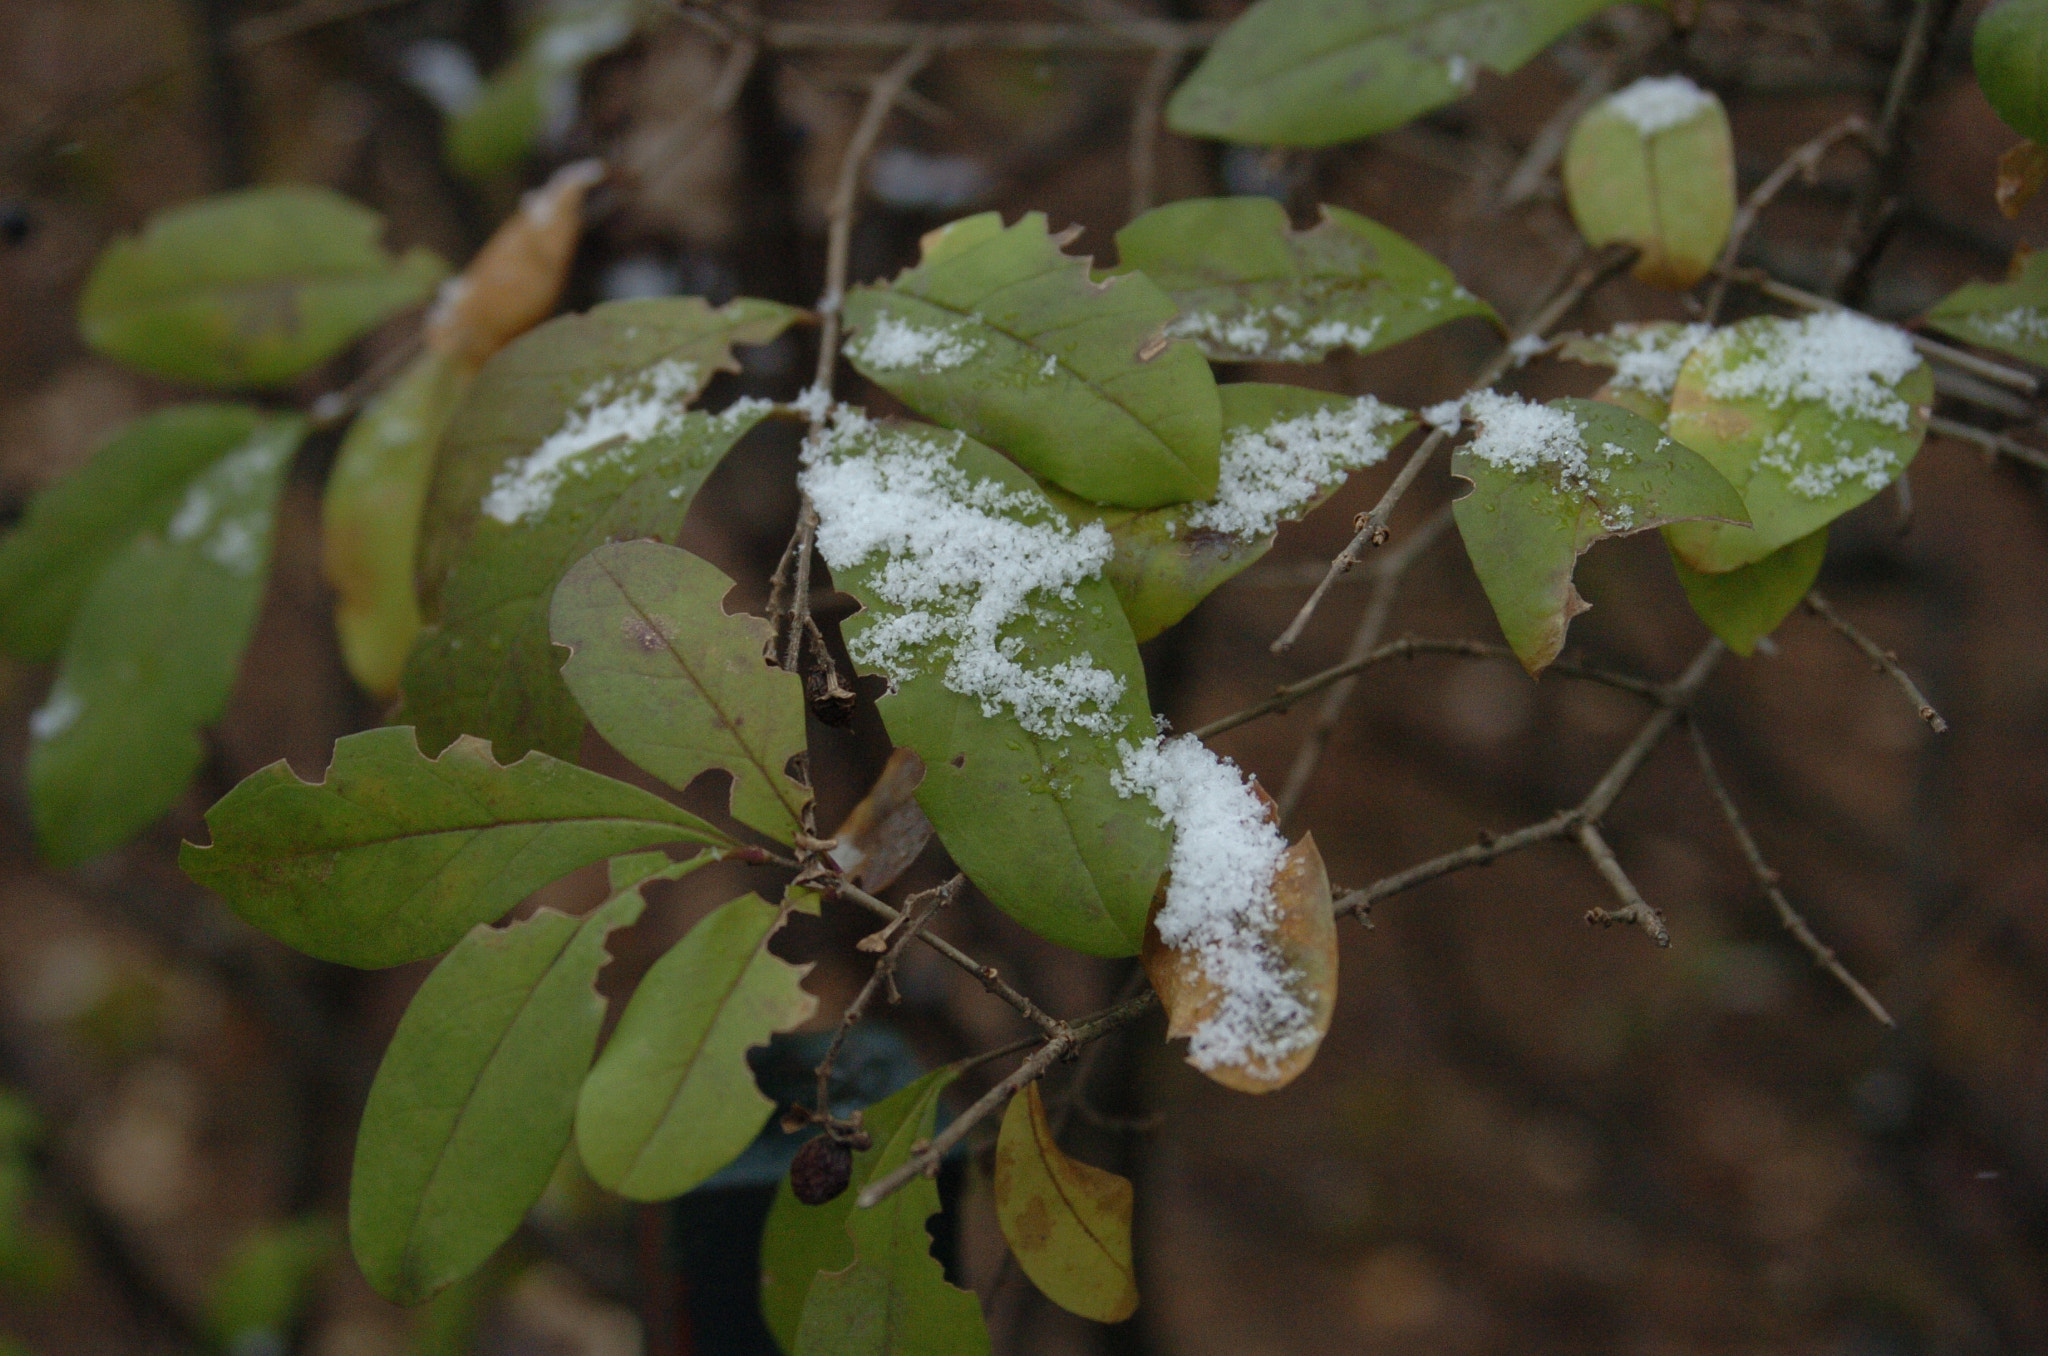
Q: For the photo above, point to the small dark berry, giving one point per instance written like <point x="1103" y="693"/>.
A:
<point x="821" y="1170"/>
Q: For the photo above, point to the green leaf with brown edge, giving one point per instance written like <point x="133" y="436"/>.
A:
<point x="73" y="529"/>
<point x="486" y="667"/>
<point x="1317" y="72"/>
<point x="2010" y="317"/>
<point x="1068" y="1224"/>
<point x="1251" y="288"/>
<point x="1032" y="818"/>
<point x="370" y="517"/>
<point x="1654" y="166"/>
<point x="476" y="1097"/>
<point x="676" y="683"/>
<point x="799" y="1240"/>
<point x="1744" y="605"/>
<point x="1285" y="450"/>
<point x="394" y="856"/>
<point x="1000" y="334"/>
<point x="2010" y="52"/>
<point x="152" y="654"/>
<point x="251" y="288"/>
<point x="1806" y="418"/>
<point x="672" y="1099"/>
<point x="894" y="1299"/>
<point x="1533" y="511"/>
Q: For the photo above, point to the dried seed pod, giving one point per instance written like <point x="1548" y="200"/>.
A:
<point x="821" y="1170"/>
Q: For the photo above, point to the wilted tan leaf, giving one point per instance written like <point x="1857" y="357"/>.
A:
<point x="515" y="279"/>
<point x="884" y="834"/>
<point x="1068" y="1223"/>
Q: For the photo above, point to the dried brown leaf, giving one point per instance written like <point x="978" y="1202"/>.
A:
<point x="884" y="834"/>
<point x="515" y="279"/>
<point x="2021" y="172"/>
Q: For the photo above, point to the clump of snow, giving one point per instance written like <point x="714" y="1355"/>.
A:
<point x="1270" y="473"/>
<point x="1518" y="435"/>
<point x="954" y="562"/>
<point x="1278" y="332"/>
<point x="1843" y="360"/>
<point x="1647" y="357"/>
<point x="1810" y="479"/>
<point x="57" y="714"/>
<point x="1448" y="415"/>
<point x="892" y="344"/>
<point x="1659" y="102"/>
<point x="1219" y="903"/>
<point x="1526" y="347"/>
<point x="612" y="415"/>
<point x="815" y="404"/>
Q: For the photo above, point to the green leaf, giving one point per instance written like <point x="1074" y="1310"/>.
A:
<point x="2010" y="50"/>
<point x="264" y="1285"/>
<point x="1314" y="72"/>
<point x="678" y="685"/>
<point x="250" y="288"/>
<point x="572" y="436"/>
<point x="672" y="1100"/>
<point x="1548" y="482"/>
<point x="1250" y="288"/>
<point x="1068" y="1224"/>
<point x="1022" y="799"/>
<point x="152" y="654"/>
<point x="537" y="87"/>
<point x="394" y="856"/>
<point x="474" y="1102"/>
<point x="1744" y="605"/>
<point x="1806" y="418"/>
<point x="893" y="1299"/>
<point x="2011" y="317"/>
<point x="1285" y="450"/>
<point x="370" y="517"/>
<point x="1001" y="335"/>
<point x="1654" y="166"/>
<point x="74" y="528"/>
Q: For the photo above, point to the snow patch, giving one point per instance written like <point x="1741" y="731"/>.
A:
<point x="1657" y="103"/>
<point x="57" y="714"/>
<point x="1271" y="473"/>
<point x="2020" y="325"/>
<point x="1843" y="360"/>
<point x="233" y="540"/>
<point x="1279" y="333"/>
<point x="893" y="344"/>
<point x="1647" y="357"/>
<point x="612" y="415"/>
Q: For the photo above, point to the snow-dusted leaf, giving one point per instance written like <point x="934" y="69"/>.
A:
<point x="671" y="1100"/>
<point x="1000" y="334"/>
<point x="1067" y="1223"/>
<point x="1250" y="288"/>
<point x="153" y="651"/>
<point x="1314" y="73"/>
<point x="885" y="832"/>
<point x="1654" y="166"/>
<point x="2010" y="51"/>
<point x="1285" y="450"/>
<point x="1015" y="676"/>
<point x="250" y="288"/>
<point x="1744" y="605"/>
<point x="678" y="685"/>
<point x="1550" y="480"/>
<point x="536" y="91"/>
<point x="2011" y="317"/>
<point x="1645" y="359"/>
<point x="1806" y="418"/>
<point x="394" y="855"/>
<point x="1242" y="949"/>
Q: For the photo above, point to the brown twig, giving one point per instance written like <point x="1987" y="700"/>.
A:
<point x="1876" y="209"/>
<point x="1634" y="908"/>
<point x="1372" y="526"/>
<point x="1996" y="444"/>
<point x="1805" y="162"/>
<point x="1159" y="73"/>
<point x="1882" y="659"/>
<point x="1766" y="878"/>
<point x="985" y="974"/>
<point x="918" y="911"/>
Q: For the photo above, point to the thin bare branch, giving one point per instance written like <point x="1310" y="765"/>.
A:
<point x="1159" y="73"/>
<point x="1883" y="660"/>
<point x="918" y="911"/>
<point x="1996" y="444"/>
<point x="1804" y="161"/>
<point x="1634" y="908"/>
<point x="986" y="975"/>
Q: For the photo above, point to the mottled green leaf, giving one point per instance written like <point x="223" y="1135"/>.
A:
<point x="1806" y="418"/>
<point x="2011" y="317"/>
<point x="1250" y="288"/>
<point x="73" y="529"/>
<point x="370" y="518"/>
<point x="250" y="288"/>
<point x="474" y="1102"/>
<point x="678" y="685"/>
<point x="1654" y="166"/>
<point x="2010" y="50"/>
<point x="572" y="436"/>
<point x="1548" y="482"/>
<point x="1317" y="72"/>
<point x="152" y="654"/>
<point x="1744" y="605"/>
<point x="894" y="1299"/>
<point x="671" y="1100"/>
<point x="1000" y="334"/>
<point x="394" y="856"/>
<point x="1068" y="1224"/>
<point x="537" y="88"/>
<point x="1026" y="808"/>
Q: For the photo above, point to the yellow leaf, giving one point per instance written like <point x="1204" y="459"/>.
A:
<point x="1068" y="1223"/>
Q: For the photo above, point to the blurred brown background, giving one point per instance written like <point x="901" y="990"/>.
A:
<point x="1522" y="1136"/>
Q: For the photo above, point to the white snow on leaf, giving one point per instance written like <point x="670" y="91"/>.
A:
<point x="893" y="344"/>
<point x="233" y="541"/>
<point x="1647" y="357"/>
<point x="1656" y="103"/>
<point x="1219" y="905"/>
<point x="1277" y="332"/>
<point x="1840" y="359"/>
<point x="1448" y="415"/>
<point x="959" y="560"/>
<point x="612" y="415"/>
<point x="1271" y="473"/>
<point x="57" y="714"/>
<point x="1811" y="479"/>
<point x="2020" y="325"/>
<point x="1518" y="436"/>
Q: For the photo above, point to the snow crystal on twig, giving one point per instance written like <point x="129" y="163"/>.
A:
<point x="605" y="416"/>
<point x="1657" y="102"/>
<point x="893" y="344"/>
<point x="1219" y="902"/>
<point x="1843" y="360"/>
<point x="1272" y="472"/>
